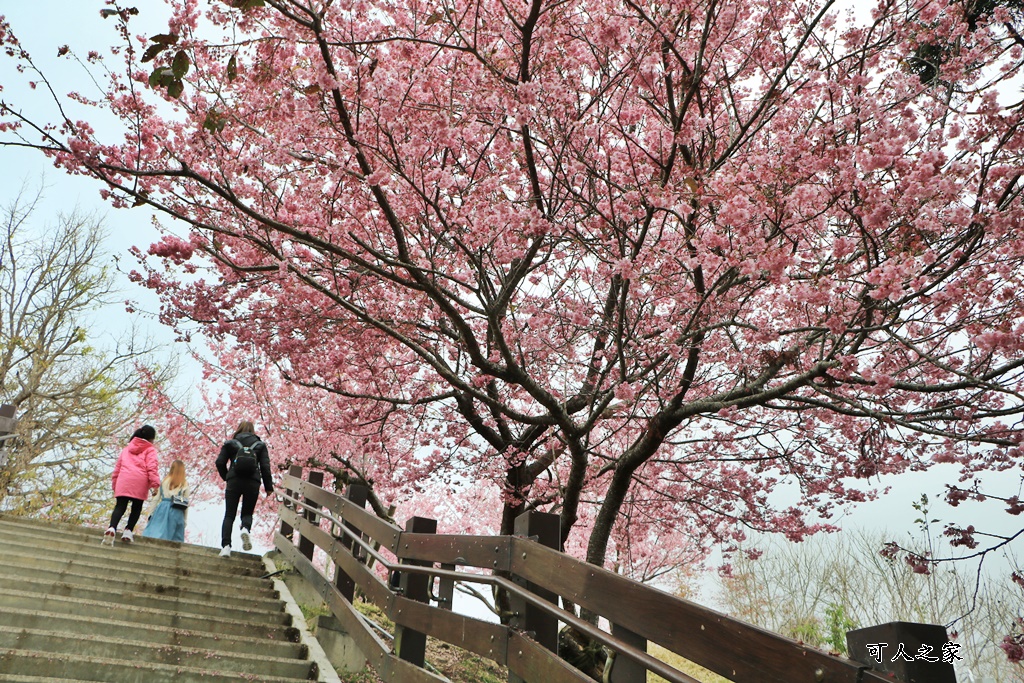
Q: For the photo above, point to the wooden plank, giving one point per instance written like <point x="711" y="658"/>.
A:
<point x="480" y="637"/>
<point x="395" y="670"/>
<point x="486" y="552"/>
<point x="389" y="668"/>
<point x="369" y="644"/>
<point x="729" y="647"/>
<point x="533" y="663"/>
<point x="371" y="525"/>
<point x="373" y="588"/>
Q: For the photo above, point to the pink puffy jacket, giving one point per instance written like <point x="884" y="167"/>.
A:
<point x="137" y="470"/>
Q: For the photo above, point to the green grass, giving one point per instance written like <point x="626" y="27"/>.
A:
<point x="464" y="667"/>
<point x="308" y="613"/>
<point x="684" y="665"/>
<point x="452" y="662"/>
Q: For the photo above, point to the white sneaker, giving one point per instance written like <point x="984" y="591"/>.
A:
<point x="246" y="541"/>
<point x="127" y="536"/>
<point x="108" y="536"/>
<point x="225" y="551"/>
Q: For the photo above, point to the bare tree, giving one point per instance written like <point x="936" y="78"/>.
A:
<point x="75" y="401"/>
<point x="818" y="589"/>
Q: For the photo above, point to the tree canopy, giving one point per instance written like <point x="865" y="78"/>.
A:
<point x="665" y="268"/>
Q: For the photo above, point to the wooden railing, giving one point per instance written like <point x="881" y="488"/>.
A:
<point x="418" y="599"/>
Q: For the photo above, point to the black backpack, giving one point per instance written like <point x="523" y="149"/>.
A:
<point x="246" y="464"/>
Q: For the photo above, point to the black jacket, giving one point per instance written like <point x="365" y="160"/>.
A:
<point x="229" y="451"/>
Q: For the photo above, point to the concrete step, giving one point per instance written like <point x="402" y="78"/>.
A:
<point x="45" y="528"/>
<point x="63" y="582"/>
<point x="275" y="625"/>
<point x="135" y="598"/>
<point x="198" y="558"/>
<point x="94" y="536"/>
<point x="157" y="635"/>
<point x="130" y="564"/>
<point x="131" y="650"/>
<point x="72" y="611"/>
<point x="44" y="665"/>
<point x="19" y="678"/>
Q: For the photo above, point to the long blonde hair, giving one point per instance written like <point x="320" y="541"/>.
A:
<point x="176" y="475"/>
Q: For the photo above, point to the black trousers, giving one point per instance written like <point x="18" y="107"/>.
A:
<point x="119" y="509"/>
<point x="246" y="490"/>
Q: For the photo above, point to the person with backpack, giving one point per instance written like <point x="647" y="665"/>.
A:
<point x="136" y="473"/>
<point x="170" y="506"/>
<point x="242" y="463"/>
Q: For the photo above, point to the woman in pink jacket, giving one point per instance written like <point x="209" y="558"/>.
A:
<point x="135" y="475"/>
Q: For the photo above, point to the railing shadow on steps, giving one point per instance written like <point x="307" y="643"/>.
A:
<point x="427" y="570"/>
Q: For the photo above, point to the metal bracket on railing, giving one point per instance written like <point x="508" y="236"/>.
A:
<point x="609" y="665"/>
<point x="273" y="574"/>
<point x="436" y="597"/>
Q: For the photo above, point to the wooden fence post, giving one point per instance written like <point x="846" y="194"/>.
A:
<point x="624" y="669"/>
<point x="411" y="645"/>
<point x="7" y="421"/>
<point x="545" y="528"/>
<point x="306" y="546"/>
<point x="909" y="652"/>
<point x="7" y="426"/>
<point x="286" y="530"/>
<point x="356" y="494"/>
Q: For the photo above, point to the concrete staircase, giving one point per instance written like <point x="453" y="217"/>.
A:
<point x="72" y="609"/>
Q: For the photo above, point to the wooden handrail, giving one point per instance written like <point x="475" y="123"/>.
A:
<point x="655" y="665"/>
<point x="731" y="648"/>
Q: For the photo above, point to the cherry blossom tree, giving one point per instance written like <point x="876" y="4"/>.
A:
<point x="695" y="267"/>
<point x="300" y="425"/>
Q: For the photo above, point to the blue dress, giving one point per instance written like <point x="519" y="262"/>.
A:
<point x="166" y="522"/>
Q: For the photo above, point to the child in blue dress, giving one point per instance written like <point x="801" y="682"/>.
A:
<point x="169" y="518"/>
